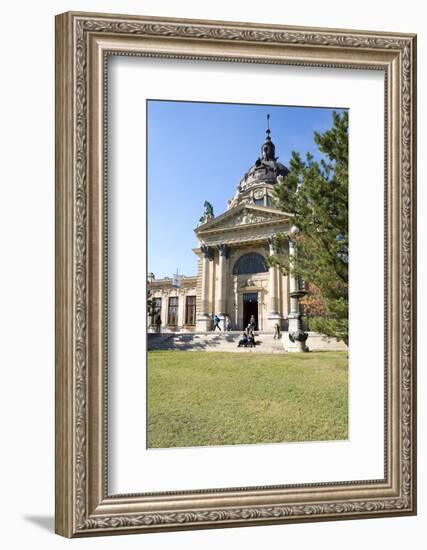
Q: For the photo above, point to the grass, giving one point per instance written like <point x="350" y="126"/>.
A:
<point x="212" y="398"/>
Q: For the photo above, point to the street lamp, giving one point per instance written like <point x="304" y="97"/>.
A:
<point x="297" y="336"/>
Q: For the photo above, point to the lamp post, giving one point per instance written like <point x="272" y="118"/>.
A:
<point x="297" y="336"/>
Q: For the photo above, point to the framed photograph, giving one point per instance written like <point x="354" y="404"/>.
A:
<point x="235" y="274"/>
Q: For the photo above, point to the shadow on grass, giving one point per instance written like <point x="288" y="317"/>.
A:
<point x="191" y="341"/>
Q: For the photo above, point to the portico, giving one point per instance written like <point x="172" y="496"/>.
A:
<point x="235" y="278"/>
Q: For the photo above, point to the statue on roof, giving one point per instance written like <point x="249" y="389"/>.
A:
<point x="208" y="213"/>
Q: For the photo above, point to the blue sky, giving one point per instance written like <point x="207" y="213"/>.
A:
<point x="200" y="151"/>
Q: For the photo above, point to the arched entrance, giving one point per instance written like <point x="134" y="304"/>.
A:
<point x="250" y="308"/>
<point x="250" y="290"/>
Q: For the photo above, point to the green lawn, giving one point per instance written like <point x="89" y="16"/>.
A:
<point x="212" y="398"/>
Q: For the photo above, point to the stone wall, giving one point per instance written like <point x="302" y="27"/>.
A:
<point x="162" y="288"/>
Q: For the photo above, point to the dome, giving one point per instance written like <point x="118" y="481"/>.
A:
<point x="261" y="177"/>
<point x="263" y="171"/>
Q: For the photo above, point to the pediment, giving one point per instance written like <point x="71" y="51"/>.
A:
<point x="243" y="216"/>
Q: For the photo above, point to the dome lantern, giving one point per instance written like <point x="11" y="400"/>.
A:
<point x="268" y="149"/>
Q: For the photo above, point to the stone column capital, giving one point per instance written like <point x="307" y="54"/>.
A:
<point x="224" y="250"/>
<point x="207" y="252"/>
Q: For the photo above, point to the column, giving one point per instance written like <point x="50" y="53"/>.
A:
<point x="273" y="295"/>
<point x="236" y="322"/>
<point x="221" y="302"/>
<point x="181" y="309"/>
<point x="272" y="284"/>
<point x="164" y="312"/>
<point x="203" y="322"/>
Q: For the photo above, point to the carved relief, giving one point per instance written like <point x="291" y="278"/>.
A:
<point x="247" y="217"/>
<point x="246" y="283"/>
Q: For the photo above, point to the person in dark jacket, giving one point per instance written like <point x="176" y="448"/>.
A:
<point x="252" y="322"/>
<point x="243" y="341"/>
<point x="216" y="322"/>
<point x="158" y="324"/>
<point x="251" y="336"/>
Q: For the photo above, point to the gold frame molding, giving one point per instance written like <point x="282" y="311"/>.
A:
<point x="83" y="43"/>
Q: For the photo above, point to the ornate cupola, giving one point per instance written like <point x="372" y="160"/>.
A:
<point x="257" y="184"/>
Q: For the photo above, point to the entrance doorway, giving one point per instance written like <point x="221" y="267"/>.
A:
<point x="250" y="307"/>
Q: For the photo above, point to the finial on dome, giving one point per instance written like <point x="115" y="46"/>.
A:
<point x="268" y="148"/>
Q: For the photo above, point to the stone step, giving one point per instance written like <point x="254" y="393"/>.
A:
<point x="227" y="341"/>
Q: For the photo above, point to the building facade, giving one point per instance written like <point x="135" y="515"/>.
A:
<point x="233" y="279"/>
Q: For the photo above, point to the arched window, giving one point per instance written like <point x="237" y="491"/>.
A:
<point x="250" y="263"/>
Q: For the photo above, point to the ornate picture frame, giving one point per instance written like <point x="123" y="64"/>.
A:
<point x="84" y="506"/>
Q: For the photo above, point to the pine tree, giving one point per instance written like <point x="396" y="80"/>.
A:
<point x="316" y="194"/>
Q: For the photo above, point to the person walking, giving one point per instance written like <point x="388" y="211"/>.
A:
<point x="252" y="322"/>
<point x="277" y="334"/>
<point x="216" y="322"/>
<point x="227" y="323"/>
<point x="158" y="324"/>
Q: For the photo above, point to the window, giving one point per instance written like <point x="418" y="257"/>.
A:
<point x="250" y="263"/>
<point x="260" y="201"/>
<point x="173" y="310"/>
<point x="190" y="310"/>
<point x="156" y="310"/>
